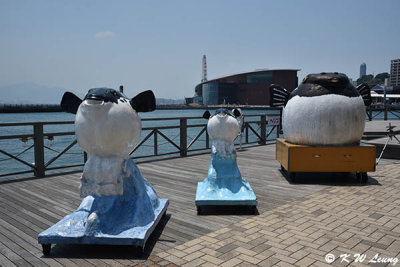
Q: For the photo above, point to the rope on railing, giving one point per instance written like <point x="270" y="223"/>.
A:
<point x="61" y="153"/>
<point x="163" y="143"/>
<point x="167" y="142"/>
<point x="142" y="142"/>
<point x="197" y="137"/>
<point x="56" y="151"/>
<point x="19" y="154"/>
<point x="17" y="159"/>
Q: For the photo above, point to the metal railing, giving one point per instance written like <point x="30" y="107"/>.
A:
<point x="385" y="110"/>
<point x="39" y="166"/>
<point x="256" y="131"/>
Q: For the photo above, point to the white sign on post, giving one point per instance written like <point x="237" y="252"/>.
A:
<point x="272" y="121"/>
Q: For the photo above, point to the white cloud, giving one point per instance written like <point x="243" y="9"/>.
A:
<point x="102" y="35"/>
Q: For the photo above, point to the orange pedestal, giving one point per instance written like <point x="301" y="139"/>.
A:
<point x="303" y="158"/>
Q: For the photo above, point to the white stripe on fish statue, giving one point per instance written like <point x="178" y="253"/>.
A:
<point x="325" y="109"/>
<point x="119" y="206"/>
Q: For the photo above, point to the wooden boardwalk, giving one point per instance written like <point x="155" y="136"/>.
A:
<point x="31" y="205"/>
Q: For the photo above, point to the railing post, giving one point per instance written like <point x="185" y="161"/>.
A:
<point x="385" y="114"/>
<point x="385" y="105"/>
<point x="38" y="145"/>
<point x="183" y="136"/>
<point x="247" y="132"/>
<point x="369" y="113"/>
<point x="207" y="139"/>
<point x="279" y="127"/>
<point x="155" y="143"/>
<point x="263" y="128"/>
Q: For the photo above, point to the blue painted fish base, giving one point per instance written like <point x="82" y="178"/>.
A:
<point x="126" y="219"/>
<point x="224" y="184"/>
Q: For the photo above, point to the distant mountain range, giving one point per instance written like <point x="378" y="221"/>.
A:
<point x="166" y="101"/>
<point x="31" y="93"/>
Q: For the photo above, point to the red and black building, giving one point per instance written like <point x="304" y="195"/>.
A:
<point x="248" y="88"/>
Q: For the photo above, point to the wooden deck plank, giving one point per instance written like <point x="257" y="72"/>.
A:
<point x="6" y="262"/>
<point x="13" y="257"/>
<point x="31" y="236"/>
<point x="10" y="199"/>
<point x="29" y="206"/>
<point x="21" y="252"/>
<point x="28" y="243"/>
<point x="32" y="249"/>
<point x="11" y="207"/>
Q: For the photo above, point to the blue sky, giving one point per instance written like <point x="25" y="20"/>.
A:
<point x="159" y="45"/>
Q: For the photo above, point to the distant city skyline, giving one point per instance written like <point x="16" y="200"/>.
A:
<point x="159" y="45"/>
<point x="363" y="69"/>
<point x="395" y="72"/>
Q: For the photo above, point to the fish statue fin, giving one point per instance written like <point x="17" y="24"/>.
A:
<point x="206" y="115"/>
<point x="237" y="112"/>
<point x="70" y="102"/>
<point x="365" y="92"/>
<point x="278" y="96"/>
<point x="144" y="102"/>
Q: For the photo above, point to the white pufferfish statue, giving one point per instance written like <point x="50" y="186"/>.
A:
<point x="325" y="109"/>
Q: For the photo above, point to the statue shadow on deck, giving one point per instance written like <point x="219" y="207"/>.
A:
<point x="328" y="178"/>
<point x="241" y="210"/>
<point x="91" y="251"/>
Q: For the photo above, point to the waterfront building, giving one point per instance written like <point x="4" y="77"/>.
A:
<point x="248" y="88"/>
<point x="363" y="70"/>
<point x="395" y="72"/>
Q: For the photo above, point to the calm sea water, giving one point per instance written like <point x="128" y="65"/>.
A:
<point x="75" y="154"/>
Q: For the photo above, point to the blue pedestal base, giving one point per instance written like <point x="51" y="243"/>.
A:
<point x="136" y="236"/>
<point x="224" y="184"/>
<point x="224" y="197"/>
<point x="126" y="219"/>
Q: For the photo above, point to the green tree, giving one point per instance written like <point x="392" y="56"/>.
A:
<point x="380" y="78"/>
<point x="371" y="81"/>
<point x="368" y="79"/>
